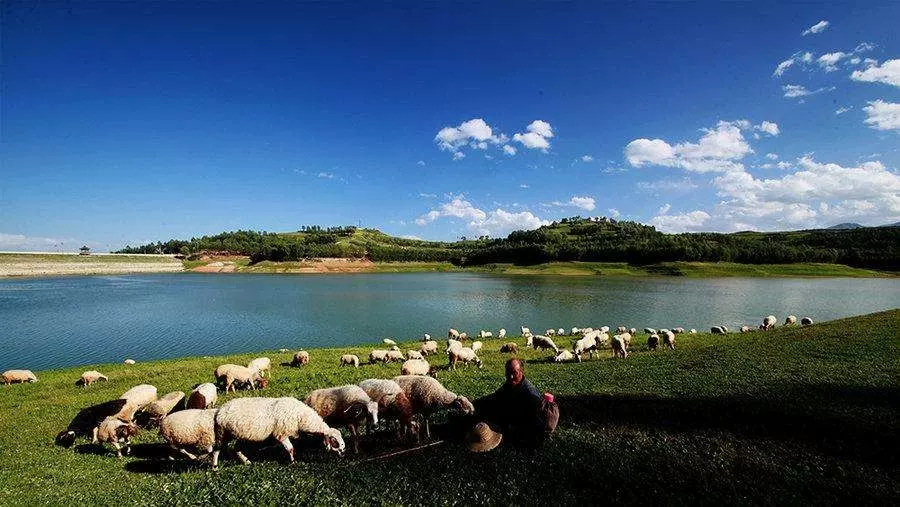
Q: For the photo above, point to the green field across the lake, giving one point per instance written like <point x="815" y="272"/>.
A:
<point x="796" y="415"/>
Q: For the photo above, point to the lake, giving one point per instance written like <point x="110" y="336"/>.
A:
<point x="67" y="321"/>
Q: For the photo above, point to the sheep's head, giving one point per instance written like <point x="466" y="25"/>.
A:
<point x="262" y="382"/>
<point x="65" y="438"/>
<point x="463" y="404"/>
<point x="372" y="415"/>
<point x="334" y="441"/>
<point x="126" y="431"/>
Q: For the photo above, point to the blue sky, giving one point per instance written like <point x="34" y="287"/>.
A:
<point x="131" y="122"/>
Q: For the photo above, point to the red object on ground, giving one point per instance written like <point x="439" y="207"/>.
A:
<point x="548" y="397"/>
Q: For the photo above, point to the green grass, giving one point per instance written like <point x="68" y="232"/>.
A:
<point x="796" y="415"/>
<point x="15" y="258"/>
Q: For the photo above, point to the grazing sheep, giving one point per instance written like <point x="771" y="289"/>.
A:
<point x="350" y="360"/>
<point x="603" y="329"/>
<point x="621" y="329"/>
<point x="550" y="332"/>
<point x="347" y="405"/>
<point x="769" y="322"/>
<point x="136" y="398"/>
<point x="91" y="376"/>
<point x="428" y="348"/>
<point x="632" y="331"/>
<point x="560" y="332"/>
<point x="525" y="331"/>
<point x="395" y="355"/>
<point x="113" y="430"/>
<point x="156" y="411"/>
<point x="626" y="339"/>
<point x="18" y="377"/>
<point x="414" y="354"/>
<point x="745" y="329"/>
<point x="427" y="396"/>
<point x="790" y="320"/>
<point x="717" y="330"/>
<point x="463" y="337"/>
<point x="587" y="343"/>
<point x="509" y="348"/>
<point x="678" y="330"/>
<point x="257" y="419"/>
<point x="203" y="396"/>
<point x="464" y="354"/>
<point x="575" y="331"/>
<point x="502" y="333"/>
<point x="649" y="330"/>
<point x="426" y="337"/>
<point x="453" y="344"/>
<point x="195" y="428"/>
<point x="393" y="405"/>
<point x="541" y="342"/>
<point x="378" y="355"/>
<point x="87" y="419"/>
<point x="416" y="367"/>
<point x="652" y="341"/>
<point x="663" y="331"/>
<point x="453" y="334"/>
<point x="262" y="366"/>
<point x="477" y="345"/>
<point x="301" y="358"/>
<point x="565" y="356"/>
<point x="485" y="334"/>
<point x="669" y="339"/>
<point x="618" y="346"/>
<point x="282" y="350"/>
<point x="806" y="321"/>
<point x="388" y="341"/>
<point x="128" y="361"/>
<point x="230" y="375"/>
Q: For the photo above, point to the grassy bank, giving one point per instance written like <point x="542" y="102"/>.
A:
<point x="48" y="264"/>
<point x="796" y="415"/>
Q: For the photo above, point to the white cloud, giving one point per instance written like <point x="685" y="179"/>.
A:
<point x="425" y="195"/>
<point x="411" y="236"/>
<point x="614" y="213"/>
<point x="783" y="66"/>
<point x="536" y="137"/>
<point x="453" y="138"/>
<point x="769" y="127"/>
<point x="524" y="185"/>
<point x="829" y="61"/>
<point x="795" y="91"/>
<point x="682" y="222"/>
<point x="458" y="155"/>
<point x="842" y="110"/>
<point x="883" y="115"/>
<point x="772" y="156"/>
<point x="887" y="73"/>
<point x="587" y="158"/>
<point x="718" y="149"/>
<point x="583" y="202"/>
<point x="664" y="209"/>
<point x="23" y="243"/>
<point x="420" y="163"/>
<point x="667" y="186"/>
<point x="817" y="28"/>
<point x="458" y="207"/>
<point x="509" y="150"/>
<point x="501" y="222"/>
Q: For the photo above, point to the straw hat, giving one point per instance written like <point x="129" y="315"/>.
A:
<point x="482" y="438"/>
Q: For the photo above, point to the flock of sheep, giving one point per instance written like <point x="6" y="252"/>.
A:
<point x="405" y="402"/>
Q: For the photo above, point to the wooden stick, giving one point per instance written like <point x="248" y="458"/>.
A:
<point x="401" y="451"/>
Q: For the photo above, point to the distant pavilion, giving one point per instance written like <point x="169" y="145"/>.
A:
<point x="85" y="250"/>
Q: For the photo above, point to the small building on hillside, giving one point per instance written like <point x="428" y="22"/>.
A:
<point x="85" y="250"/>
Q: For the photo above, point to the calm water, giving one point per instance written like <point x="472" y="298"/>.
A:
<point x="54" y="322"/>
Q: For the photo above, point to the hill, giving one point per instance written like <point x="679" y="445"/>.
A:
<point x="847" y="225"/>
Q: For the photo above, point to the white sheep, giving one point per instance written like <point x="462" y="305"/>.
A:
<point x="463" y="336"/>
<point x="428" y="348"/>
<point x="790" y="320"/>
<point x="806" y="321"/>
<point x="415" y="367"/>
<point x="395" y="355"/>
<point x="485" y="334"/>
<point x="649" y="330"/>
<point x="560" y="332"/>
<point x="392" y="401"/>
<point x="262" y="366"/>
<point x="194" y="428"/>
<point x="769" y="322"/>
<point x="717" y="330"/>
<point x="388" y="341"/>
<point x="230" y="375"/>
<point x="464" y="354"/>
<point x="477" y="345"/>
<point x="452" y="333"/>
<point x="160" y="408"/>
<point x="565" y="356"/>
<point x="502" y="333"/>
<point x="621" y="329"/>
<point x="693" y="331"/>
<point x="652" y="341"/>
<point x="301" y="358"/>
<point x="525" y="331"/>
<point x="426" y="337"/>
<point x="587" y="343"/>
<point x="414" y="354"/>
<point x="136" y="398"/>
<point x="541" y="342"/>
<point x="575" y="330"/>
<point x="453" y="344"/>
<point x="427" y="395"/>
<point x="350" y="360"/>
<point x="203" y="396"/>
<point x="550" y="332"/>
<point x="745" y="329"/>
<point x="128" y="361"/>
<point x="378" y="355"/>
<point x="632" y="331"/>
<point x="91" y="376"/>
<point x="257" y="419"/>
<point x="669" y="339"/>
<point x="18" y="377"/>
<point x="347" y="405"/>
<point x="116" y="432"/>
<point x="619" y="348"/>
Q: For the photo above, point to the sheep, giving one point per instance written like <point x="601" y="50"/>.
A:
<point x="426" y="337"/>
<point x="350" y="360"/>
<point x="769" y="322"/>
<point x="203" y="396"/>
<point x="414" y="354"/>
<point x="525" y="331"/>
<point x="509" y="348"/>
<point x="790" y="320"/>
<point x="621" y="329"/>
<point x="632" y="331"/>
<point x="652" y="341"/>
<point x="502" y="333"/>
<point x="603" y="329"/>
<point x="91" y="376"/>
<point x="193" y="427"/>
<point x="550" y="332"/>
<point x="452" y="344"/>
<point x="464" y="354"/>
<point x="745" y="329"/>
<point x="565" y="356"/>
<point x="427" y="395"/>
<point x="378" y="355"/>
<point x="257" y="419"/>
<point x="463" y="337"/>
<point x="416" y="367"/>
<point x="452" y="333"/>
<point x="230" y="375"/>
<point x="485" y="334"/>
<point x="347" y="405"/>
<point x="301" y="358"/>
<point x="717" y="330"/>
<point x="560" y="332"/>
<point x="114" y="430"/>
<point x="87" y="419"/>
<point x="395" y="355"/>
<point x="136" y="398"/>
<point x="649" y="330"/>
<point x="18" y="377"/>
<point x="662" y="331"/>
<point x="128" y="361"/>
<point x="618" y="346"/>
<point x="806" y="321"/>
<point x="388" y="341"/>
<point x="626" y="339"/>
<point x="602" y="338"/>
<point x="156" y="411"/>
<point x="575" y="331"/>
<point x="587" y="344"/>
<point x="678" y="330"/>
<point x="262" y="366"/>
<point x="392" y="401"/>
<point x="428" y="348"/>
<point x="669" y="339"/>
<point x="541" y="342"/>
<point x="477" y="345"/>
<point x="394" y="348"/>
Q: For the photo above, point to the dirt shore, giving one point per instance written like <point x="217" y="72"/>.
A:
<point x="50" y="264"/>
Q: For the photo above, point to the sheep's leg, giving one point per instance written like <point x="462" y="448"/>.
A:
<point x="241" y="457"/>
<point x="354" y="434"/>
<point x="427" y="428"/>
<point x="185" y="453"/>
<point x="289" y="447"/>
<point x="118" y="449"/>
<point x="94" y="435"/>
